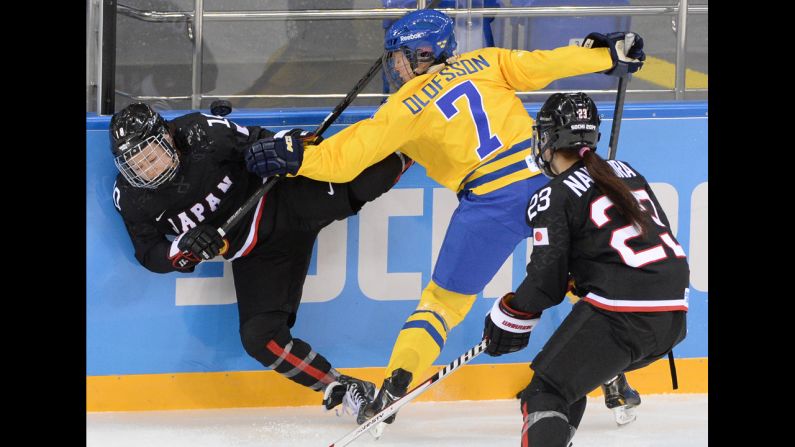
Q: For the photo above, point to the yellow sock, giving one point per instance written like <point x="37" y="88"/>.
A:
<point x="423" y="335"/>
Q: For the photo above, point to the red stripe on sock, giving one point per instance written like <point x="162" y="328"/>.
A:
<point x="295" y="361"/>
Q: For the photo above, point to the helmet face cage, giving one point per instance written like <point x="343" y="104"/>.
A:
<point x="148" y="163"/>
<point x="543" y="138"/>
<point x="422" y="37"/>
<point x="565" y="122"/>
<point x="141" y="149"/>
<point x="406" y="61"/>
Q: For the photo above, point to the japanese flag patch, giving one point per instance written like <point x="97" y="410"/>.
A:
<point x="540" y="237"/>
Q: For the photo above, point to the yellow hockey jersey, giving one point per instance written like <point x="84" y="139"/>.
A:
<point x="456" y="120"/>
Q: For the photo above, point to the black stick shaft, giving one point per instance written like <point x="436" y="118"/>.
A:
<point x="623" y="81"/>
<point x="249" y="204"/>
<point x="331" y="117"/>
<point x="259" y="193"/>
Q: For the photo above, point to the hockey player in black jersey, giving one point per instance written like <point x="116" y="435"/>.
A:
<point x="180" y="180"/>
<point x="599" y="224"/>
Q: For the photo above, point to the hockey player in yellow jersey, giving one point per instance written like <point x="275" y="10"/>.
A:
<point x="459" y="117"/>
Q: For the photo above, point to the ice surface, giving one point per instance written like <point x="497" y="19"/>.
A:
<point x="663" y="420"/>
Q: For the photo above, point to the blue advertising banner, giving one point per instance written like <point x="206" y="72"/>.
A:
<point x="367" y="272"/>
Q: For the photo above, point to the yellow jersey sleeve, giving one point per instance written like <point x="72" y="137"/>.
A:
<point x="534" y="70"/>
<point x="343" y="156"/>
<point x="443" y="120"/>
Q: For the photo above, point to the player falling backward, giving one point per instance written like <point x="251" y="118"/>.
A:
<point x="460" y="118"/>
<point x="180" y="180"/>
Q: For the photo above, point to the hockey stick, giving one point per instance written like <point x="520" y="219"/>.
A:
<point x="621" y="414"/>
<point x="327" y="121"/>
<point x="411" y="395"/>
<point x="357" y="88"/>
<point x="617" y="114"/>
<point x="623" y="81"/>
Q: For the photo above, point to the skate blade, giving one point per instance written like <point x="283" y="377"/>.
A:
<point x="378" y="430"/>
<point x="624" y="415"/>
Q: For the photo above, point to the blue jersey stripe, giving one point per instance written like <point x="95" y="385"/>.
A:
<point x="510" y="169"/>
<point x="518" y="147"/>
<point x="438" y="317"/>
<point x="428" y="328"/>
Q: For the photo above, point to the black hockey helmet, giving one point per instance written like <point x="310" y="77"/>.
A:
<point x="142" y="153"/>
<point x="565" y="121"/>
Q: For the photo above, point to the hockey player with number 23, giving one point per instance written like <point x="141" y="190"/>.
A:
<point x="460" y="118"/>
<point x="599" y="224"/>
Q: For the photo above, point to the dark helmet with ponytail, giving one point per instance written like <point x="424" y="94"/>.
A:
<point x="565" y="121"/>
<point x="569" y="122"/>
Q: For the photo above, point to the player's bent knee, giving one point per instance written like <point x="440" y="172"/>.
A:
<point x="541" y="396"/>
<point x="546" y="418"/>
<point x="451" y="306"/>
<point x="264" y="329"/>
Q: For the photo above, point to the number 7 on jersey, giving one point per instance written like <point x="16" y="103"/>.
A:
<point x="487" y="143"/>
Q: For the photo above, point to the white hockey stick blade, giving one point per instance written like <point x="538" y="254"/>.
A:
<point x="376" y="421"/>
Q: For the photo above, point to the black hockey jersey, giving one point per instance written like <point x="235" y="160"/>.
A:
<point x="579" y="235"/>
<point x="211" y="183"/>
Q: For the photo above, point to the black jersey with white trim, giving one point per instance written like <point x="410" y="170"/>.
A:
<point x="211" y="183"/>
<point x="579" y="235"/>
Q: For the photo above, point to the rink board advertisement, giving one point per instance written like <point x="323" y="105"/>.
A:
<point x="367" y="272"/>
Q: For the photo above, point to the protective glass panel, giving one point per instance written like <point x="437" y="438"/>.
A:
<point x="278" y="59"/>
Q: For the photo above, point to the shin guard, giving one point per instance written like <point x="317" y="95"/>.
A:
<point x="424" y="334"/>
<point x="291" y="357"/>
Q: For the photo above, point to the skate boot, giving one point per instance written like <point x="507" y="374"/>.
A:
<point x="351" y="392"/>
<point x="621" y="398"/>
<point x="393" y="389"/>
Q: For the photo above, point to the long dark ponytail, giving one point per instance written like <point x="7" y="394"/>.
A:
<point x="618" y="192"/>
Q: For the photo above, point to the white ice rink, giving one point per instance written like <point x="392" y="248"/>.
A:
<point x="663" y="420"/>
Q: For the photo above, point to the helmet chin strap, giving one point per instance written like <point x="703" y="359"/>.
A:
<point x="546" y="166"/>
<point x="552" y="164"/>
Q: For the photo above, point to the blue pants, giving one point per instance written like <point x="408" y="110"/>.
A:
<point x="483" y="232"/>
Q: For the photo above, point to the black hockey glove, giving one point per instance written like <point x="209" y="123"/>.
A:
<point x="200" y="243"/>
<point x="278" y="155"/>
<point x="508" y="330"/>
<point x="626" y="49"/>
